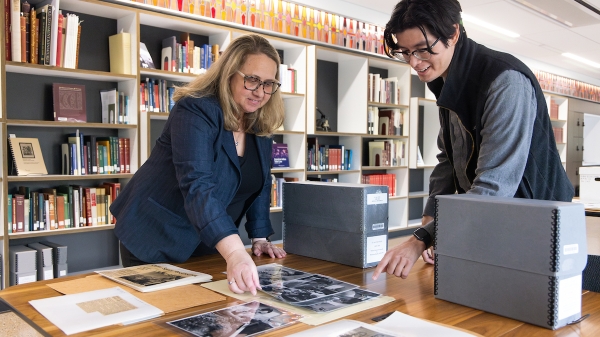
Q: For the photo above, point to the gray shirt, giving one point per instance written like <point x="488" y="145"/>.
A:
<point x="507" y="127"/>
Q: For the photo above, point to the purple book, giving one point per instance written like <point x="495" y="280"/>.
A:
<point x="280" y="156"/>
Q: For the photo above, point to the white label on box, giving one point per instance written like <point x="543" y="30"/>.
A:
<point x="27" y="279"/>
<point x="378" y="226"/>
<point x="48" y="274"/>
<point x="376" y="198"/>
<point x="376" y="247"/>
<point x="62" y="273"/>
<point x="569" y="297"/>
<point x="571" y="249"/>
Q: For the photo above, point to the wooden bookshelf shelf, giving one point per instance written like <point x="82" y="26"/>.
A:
<point x="312" y="173"/>
<point x="276" y="209"/>
<point x="166" y="75"/>
<point x="336" y="134"/>
<point x="381" y="168"/>
<point x="285" y="170"/>
<point x="35" y="234"/>
<point x="387" y="105"/>
<point x="397" y="197"/>
<point x="158" y="115"/>
<point x="88" y="75"/>
<point x="418" y="194"/>
<point x="291" y="95"/>
<point x="385" y="137"/>
<point x="53" y="124"/>
<point x="285" y="132"/>
<point x="60" y="177"/>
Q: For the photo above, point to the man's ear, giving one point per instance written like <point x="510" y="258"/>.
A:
<point x="454" y="39"/>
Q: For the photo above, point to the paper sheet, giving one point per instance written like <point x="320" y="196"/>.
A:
<point x="310" y="317"/>
<point x="167" y="300"/>
<point x="410" y="326"/>
<point x="94" y="309"/>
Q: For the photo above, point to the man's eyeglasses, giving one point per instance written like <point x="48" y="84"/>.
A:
<point x="419" y="54"/>
<point x="252" y="83"/>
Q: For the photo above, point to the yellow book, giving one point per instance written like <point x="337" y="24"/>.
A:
<point x="119" y="46"/>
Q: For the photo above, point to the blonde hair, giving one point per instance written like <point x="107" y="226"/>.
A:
<point x="216" y="80"/>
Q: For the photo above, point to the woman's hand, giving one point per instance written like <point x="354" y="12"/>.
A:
<point x="262" y="246"/>
<point x="241" y="270"/>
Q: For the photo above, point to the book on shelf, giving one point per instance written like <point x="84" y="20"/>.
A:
<point x="119" y="46"/>
<point x="145" y="57"/>
<point x="69" y="102"/>
<point x="27" y="156"/>
<point x="153" y="277"/>
<point x="168" y="59"/>
<point x="280" y="156"/>
<point x="94" y="309"/>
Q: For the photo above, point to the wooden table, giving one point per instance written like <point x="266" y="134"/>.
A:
<point x="414" y="296"/>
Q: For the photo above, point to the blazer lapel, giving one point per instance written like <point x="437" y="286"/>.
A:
<point x="229" y="147"/>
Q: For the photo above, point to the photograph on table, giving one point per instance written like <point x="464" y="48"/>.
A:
<point x="244" y="320"/>
<point x="275" y="274"/>
<point x="339" y="301"/>
<point x="307" y="288"/>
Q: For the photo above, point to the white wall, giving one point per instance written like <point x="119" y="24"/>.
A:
<point x="591" y="139"/>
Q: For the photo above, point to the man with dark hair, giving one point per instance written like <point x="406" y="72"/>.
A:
<point x="495" y="137"/>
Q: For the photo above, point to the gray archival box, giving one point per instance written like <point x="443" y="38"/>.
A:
<point x="337" y="222"/>
<point x="45" y="270"/>
<point x="518" y="258"/>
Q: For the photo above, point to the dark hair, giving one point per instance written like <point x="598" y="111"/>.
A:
<point x="437" y="16"/>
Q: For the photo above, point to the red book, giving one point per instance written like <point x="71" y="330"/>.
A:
<point x="69" y="102"/>
<point x="88" y="206"/>
<point x="59" y="40"/>
<point x="23" y="38"/>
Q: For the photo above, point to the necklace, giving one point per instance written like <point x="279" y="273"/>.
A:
<point x="237" y="142"/>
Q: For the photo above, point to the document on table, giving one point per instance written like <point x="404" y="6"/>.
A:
<point x="94" y="309"/>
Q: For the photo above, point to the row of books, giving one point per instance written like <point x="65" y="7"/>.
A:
<point x="287" y="18"/>
<point x="327" y="157"/>
<point x="558" y="134"/>
<point x="84" y="155"/>
<point x="184" y="57"/>
<point x="65" y="206"/>
<point x="115" y="107"/>
<point x="277" y="189"/>
<point x="156" y="95"/>
<point x="389" y="122"/>
<point x="41" y="35"/>
<point x="383" y="90"/>
<point x="389" y="152"/>
<point x="288" y="79"/>
<point x="386" y="179"/>
<point x="567" y="86"/>
<point x="553" y="109"/>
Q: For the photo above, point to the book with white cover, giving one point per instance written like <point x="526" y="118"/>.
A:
<point x="94" y="309"/>
<point x="152" y="277"/>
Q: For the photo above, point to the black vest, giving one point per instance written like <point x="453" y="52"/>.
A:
<point x="472" y="70"/>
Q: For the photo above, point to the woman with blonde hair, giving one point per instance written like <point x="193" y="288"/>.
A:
<point x="210" y="167"/>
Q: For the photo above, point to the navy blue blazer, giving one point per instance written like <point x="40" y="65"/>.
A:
<point x="179" y="196"/>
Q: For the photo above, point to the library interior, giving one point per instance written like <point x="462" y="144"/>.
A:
<point x="384" y="147"/>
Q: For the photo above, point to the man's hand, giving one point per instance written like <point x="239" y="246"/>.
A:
<point x="400" y="259"/>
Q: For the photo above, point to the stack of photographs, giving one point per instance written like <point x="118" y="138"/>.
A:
<point x="248" y="319"/>
<point x="310" y="291"/>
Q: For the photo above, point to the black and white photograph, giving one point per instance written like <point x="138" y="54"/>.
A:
<point x="27" y="150"/>
<point x="151" y="278"/>
<point x="307" y="288"/>
<point x="244" y="320"/>
<point x="339" y="301"/>
<point x="276" y="274"/>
